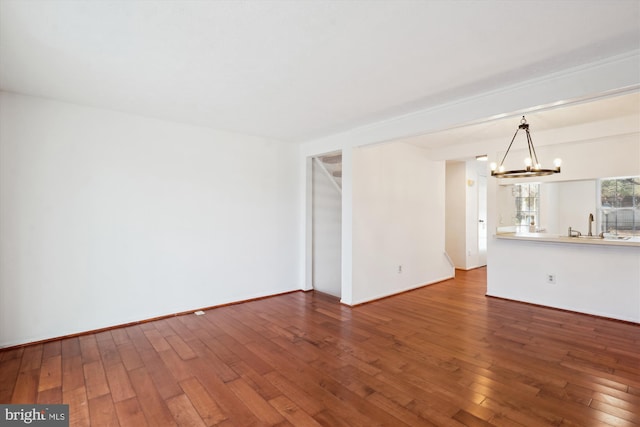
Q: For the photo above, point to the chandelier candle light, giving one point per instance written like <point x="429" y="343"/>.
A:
<point x="532" y="166"/>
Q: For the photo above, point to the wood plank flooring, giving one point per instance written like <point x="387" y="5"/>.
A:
<point x="443" y="355"/>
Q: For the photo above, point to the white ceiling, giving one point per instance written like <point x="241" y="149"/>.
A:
<point x="295" y="70"/>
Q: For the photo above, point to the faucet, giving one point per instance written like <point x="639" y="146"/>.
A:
<point x="574" y="233"/>
<point x="590" y="223"/>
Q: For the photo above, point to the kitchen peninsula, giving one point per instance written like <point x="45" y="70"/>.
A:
<point x="596" y="277"/>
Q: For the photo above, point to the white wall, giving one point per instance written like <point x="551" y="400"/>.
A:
<point x="109" y="218"/>
<point x="456" y="209"/>
<point x="398" y="212"/>
<point x="327" y="236"/>
<point x="575" y="201"/>
<point x="549" y="201"/>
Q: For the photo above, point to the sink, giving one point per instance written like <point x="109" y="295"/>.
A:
<point x="591" y="237"/>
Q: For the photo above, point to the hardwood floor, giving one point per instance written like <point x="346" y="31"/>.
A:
<point x="443" y="355"/>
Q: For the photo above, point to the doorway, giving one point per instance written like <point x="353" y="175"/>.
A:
<point x="326" y="215"/>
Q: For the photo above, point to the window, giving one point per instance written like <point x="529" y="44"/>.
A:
<point x="620" y="205"/>
<point x="527" y="198"/>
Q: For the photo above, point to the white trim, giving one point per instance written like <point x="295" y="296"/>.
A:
<point x="399" y="291"/>
<point x="616" y="74"/>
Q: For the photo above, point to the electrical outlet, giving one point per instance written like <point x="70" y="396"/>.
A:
<point x="400" y="269"/>
<point x="551" y="278"/>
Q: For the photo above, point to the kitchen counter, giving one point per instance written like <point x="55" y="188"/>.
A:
<point x="600" y="277"/>
<point x="556" y="238"/>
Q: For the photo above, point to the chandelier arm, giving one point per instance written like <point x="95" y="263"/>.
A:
<point x="510" y="144"/>
<point x="529" y="143"/>
<point x="532" y="148"/>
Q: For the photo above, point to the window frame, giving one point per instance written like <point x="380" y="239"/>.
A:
<point x="523" y="216"/>
<point x="604" y="211"/>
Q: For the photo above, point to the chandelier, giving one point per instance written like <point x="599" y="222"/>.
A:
<point x="532" y="166"/>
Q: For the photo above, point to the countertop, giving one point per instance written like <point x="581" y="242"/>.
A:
<point x="556" y="238"/>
